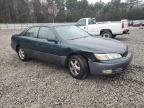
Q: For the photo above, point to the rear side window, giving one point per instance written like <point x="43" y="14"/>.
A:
<point x="46" y="33"/>
<point x="32" y="32"/>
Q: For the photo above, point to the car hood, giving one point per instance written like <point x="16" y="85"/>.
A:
<point x="99" y="45"/>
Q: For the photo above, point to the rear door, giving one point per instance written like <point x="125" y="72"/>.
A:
<point x="28" y="40"/>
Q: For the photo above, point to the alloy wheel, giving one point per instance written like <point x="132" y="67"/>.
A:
<point x="21" y="54"/>
<point x="74" y="66"/>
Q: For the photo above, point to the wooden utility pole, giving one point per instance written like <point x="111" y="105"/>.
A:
<point x="53" y="7"/>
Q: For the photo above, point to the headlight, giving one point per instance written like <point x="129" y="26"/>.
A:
<point x="107" y="56"/>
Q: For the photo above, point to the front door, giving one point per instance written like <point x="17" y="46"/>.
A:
<point x="82" y="24"/>
<point x="48" y="46"/>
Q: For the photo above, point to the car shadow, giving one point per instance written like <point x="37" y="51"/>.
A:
<point x="63" y="69"/>
<point x="105" y="77"/>
<point x="59" y="68"/>
<point x="49" y="64"/>
<point x="122" y="39"/>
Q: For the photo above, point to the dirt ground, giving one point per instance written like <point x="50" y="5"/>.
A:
<point x="36" y="84"/>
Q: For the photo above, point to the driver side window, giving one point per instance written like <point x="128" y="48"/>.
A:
<point x="91" y="21"/>
<point x="46" y="33"/>
<point x="81" y="22"/>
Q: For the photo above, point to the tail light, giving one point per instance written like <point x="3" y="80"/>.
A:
<point x="122" y="24"/>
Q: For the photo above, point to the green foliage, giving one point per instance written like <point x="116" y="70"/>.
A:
<point x="15" y="11"/>
<point x="112" y="11"/>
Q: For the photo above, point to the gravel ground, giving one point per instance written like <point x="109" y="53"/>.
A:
<point x="36" y="84"/>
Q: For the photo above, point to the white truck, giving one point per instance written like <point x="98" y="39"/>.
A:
<point x="105" y="29"/>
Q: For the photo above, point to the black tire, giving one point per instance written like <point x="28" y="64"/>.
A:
<point x="106" y="34"/>
<point x="82" y="63"/>
<point x="114" y="36"/>
<point x="21" y="54"/>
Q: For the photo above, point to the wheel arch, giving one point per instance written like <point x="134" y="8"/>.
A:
<point x="103" y="30"/>
<point x="74" y="54"/>
<point x="17" y="47"/>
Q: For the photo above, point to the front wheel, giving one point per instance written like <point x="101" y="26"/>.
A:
<point x="22" y="55"/>
<point x="78" y="67"/>
<point x="106" y="34"/>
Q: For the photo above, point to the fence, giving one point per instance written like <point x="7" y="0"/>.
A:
<point x="26" y="25"/>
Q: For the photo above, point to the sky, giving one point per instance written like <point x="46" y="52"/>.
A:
<point x="105" y="1"/>
<point x="93" y="1"/>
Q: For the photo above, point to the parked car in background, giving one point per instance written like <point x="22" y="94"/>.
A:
<point x="142" y="22"/>
<point x="130" y="23"/>
<point x="137" y="23"/>
<point x="105" y="29"/>
<point x="72" y="47"/>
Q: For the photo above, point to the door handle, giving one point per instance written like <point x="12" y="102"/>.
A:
<point x="84" y="27"/>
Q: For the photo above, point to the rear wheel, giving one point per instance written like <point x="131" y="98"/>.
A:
<point x="22" y="55"/>
<point x="106" y="34"/>
<point x="78" y="67"/>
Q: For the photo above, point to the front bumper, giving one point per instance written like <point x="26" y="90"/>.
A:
<point x="116" y="66"/>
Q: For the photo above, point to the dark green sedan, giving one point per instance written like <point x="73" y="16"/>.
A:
<point x="70" y="46"/>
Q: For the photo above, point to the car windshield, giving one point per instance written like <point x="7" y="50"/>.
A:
<point x="71" y="32"/>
